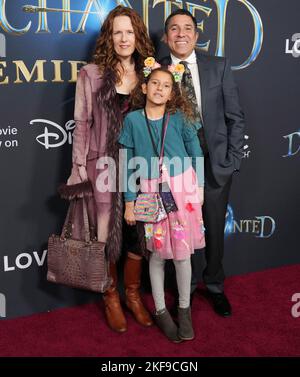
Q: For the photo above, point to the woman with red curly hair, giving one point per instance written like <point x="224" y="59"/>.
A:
<point x="102" y="100"/>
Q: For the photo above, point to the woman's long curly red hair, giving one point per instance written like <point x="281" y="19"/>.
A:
<point x="105" y="55"/>
<point x="177" y="102"/>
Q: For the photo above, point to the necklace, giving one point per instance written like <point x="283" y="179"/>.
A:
<point x="129" y="71"/>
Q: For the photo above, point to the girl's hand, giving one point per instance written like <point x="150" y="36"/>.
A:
<point x="129" y="214"/>
<point x="201" y="197"/>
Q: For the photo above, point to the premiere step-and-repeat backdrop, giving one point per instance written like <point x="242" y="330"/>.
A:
<point x="43" y="44"/>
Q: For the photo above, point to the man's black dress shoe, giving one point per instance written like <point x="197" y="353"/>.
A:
<point x="220" y="303"/>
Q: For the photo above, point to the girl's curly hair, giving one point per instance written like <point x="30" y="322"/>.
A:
<point x="105" y="55"/>
<point x="177" y="102"/>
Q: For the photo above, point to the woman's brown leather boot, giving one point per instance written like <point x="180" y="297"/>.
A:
<point x="132" y="280"/>
<point x="113" y="310"/>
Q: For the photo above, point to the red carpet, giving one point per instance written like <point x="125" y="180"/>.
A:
<point x="261" y="325"/>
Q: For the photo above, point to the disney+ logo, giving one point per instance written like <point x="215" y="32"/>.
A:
<point x="293" y="144"/>
<point x="56" y="136"/>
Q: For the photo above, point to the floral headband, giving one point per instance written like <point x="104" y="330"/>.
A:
<point x="177" y="70"/>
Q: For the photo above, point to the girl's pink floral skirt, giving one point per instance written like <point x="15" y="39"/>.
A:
<point x="181" y="232"/>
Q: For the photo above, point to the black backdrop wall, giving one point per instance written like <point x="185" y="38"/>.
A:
<point x="40" y="54"/>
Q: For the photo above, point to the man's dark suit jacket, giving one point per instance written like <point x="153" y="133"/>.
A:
<point x="223" y="117"/>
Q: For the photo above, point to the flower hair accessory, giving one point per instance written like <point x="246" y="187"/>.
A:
<point x="150" y="64"/>
<point x="177" y="70"/>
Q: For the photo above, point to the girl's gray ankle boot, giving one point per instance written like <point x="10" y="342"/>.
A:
<point x="165" y="322"/>
<point x="185" y="331"/>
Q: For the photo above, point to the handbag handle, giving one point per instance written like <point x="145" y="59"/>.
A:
<point x="87" y="234"/>
<point x="92" y="227"/>
<point x="67" y="228"/>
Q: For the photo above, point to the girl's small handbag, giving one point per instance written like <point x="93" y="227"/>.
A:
<point x="149" y="208"/>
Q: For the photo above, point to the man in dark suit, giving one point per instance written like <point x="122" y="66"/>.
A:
<point x="210" y="86"/>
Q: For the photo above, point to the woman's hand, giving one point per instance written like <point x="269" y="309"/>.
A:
<point x="83" y="173"/>
<point x="129" y="214"/>
<point x="78" y="175"/>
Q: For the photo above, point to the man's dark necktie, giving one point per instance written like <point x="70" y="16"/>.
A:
<point x="188" y="87"/>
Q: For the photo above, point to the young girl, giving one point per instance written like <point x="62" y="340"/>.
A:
<point x="164" y="113"/>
